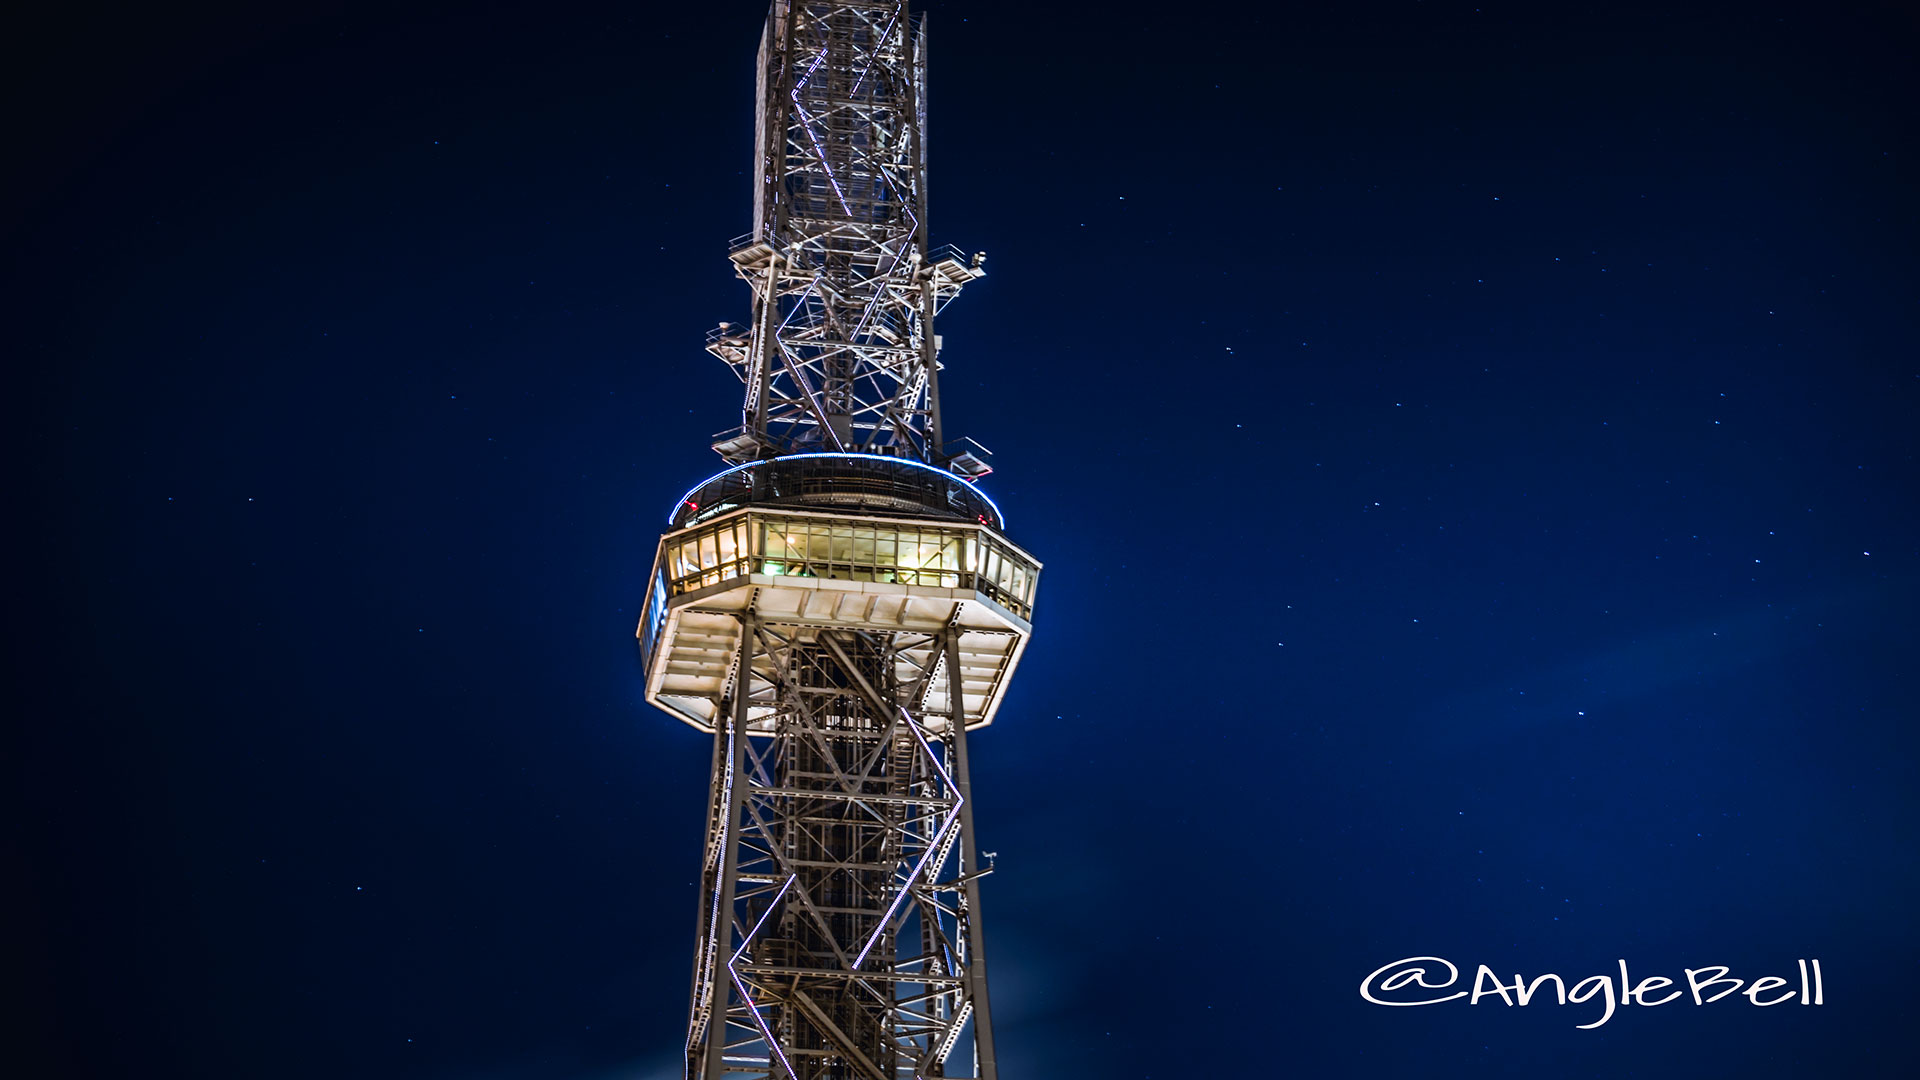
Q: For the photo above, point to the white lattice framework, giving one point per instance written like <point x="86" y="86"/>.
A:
<point x="840" y="848"/>
<point x="840" y="353"/>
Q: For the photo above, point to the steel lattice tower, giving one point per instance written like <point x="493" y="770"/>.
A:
<point x="839" y="608"/>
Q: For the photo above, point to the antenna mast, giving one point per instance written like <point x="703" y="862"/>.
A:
<point x="841" y="354"/>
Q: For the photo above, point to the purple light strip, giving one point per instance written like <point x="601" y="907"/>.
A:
<point x="817" y="61"/>
<point x="765" y="1031"/>
<point x="933" y="844"/>
<point x="797" y="305"/>
<point x="884" y="35"/>
<point x="807" y="122"/>
<point x="873" y="304"/>
<point x="751" y="934"/>
<point x="762" y="1024"/>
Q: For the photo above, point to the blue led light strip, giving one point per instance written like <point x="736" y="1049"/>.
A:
<point x="833" y="454"/>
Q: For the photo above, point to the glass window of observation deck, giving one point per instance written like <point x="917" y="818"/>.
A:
<point x="861" y="551"/>
<point x="708" y="557"/>
<point x="906" y="553"/>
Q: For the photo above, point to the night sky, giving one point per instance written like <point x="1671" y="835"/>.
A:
<point x="1472" y="450"/>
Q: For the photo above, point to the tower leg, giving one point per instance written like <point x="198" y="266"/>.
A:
<point x="706" y="917"/>
<point x="987" y="1067"/>
<point x="713" y="1065"/>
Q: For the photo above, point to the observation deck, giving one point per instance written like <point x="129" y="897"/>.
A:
<point x="854" y="542"/>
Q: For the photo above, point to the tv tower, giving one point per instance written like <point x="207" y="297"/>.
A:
<point x="839" y="607"/>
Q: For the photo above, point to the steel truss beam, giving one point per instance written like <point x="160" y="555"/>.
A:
<point x="839" y="934"/>
<point x="840" y="353"/>
<point x="838" y="929"/>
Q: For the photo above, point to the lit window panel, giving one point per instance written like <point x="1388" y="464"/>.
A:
<point x="909" y="554"/>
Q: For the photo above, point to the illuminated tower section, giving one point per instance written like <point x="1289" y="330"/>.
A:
<point x="839" y="607"/>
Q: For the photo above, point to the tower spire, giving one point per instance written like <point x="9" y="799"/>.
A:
<point x="840" y="354"/>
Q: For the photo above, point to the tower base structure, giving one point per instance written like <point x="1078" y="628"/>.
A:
<point x="838" y="623"/>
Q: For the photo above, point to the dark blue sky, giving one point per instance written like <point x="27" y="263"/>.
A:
<point x="1472" y="450"/>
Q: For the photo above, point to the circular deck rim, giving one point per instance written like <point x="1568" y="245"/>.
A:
<point x="678" y="518"/>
